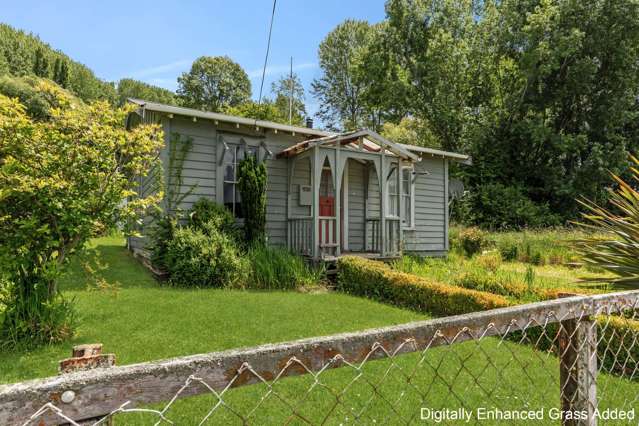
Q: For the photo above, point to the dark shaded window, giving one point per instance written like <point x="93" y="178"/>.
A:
<point x="232" y="158"/>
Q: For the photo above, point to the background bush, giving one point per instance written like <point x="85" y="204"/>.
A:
<point x="549" y="247"/>
<point x="204" y="258"/>
<point x="471" y="240"/>
<point x="496" y="206"/>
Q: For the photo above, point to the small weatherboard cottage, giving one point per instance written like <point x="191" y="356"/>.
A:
<point x="328" y="194"/>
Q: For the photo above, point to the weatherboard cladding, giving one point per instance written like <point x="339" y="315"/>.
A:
<point x="356" y="205"/>
<point x="200" y="169"/>
<point x="430" y="233"/>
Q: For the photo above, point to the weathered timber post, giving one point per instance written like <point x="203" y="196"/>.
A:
<point x="85" y="357"/>
<point x="578" y="371"/>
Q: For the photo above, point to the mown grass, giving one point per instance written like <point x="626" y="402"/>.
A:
<point x="124" y="308"/>
<point x="140" y="320"/>
<point x="471" y="375"/>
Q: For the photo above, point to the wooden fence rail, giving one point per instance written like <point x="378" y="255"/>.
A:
<point x="93" y="393"/>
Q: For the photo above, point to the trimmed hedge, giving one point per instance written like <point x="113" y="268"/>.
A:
<point x="617" y="341"/>
<point x="378" y="281"/>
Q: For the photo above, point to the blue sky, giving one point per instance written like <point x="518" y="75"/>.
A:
<point x="155" y="41"/>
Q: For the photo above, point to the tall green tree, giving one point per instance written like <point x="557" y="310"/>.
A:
<point x="387" y="91"/>
<point x="267" y="110"/>
<point x="289" y="95"/>
<point x="61" y="72"/>
<point x="563" y="102"/>
<point x="542" y="93"/>
<point x="19" y="50"/>
<point x="130" y="88"/>
<point x="214" y="83"/>
<point x="340" y="89"/>
<point x="434" y="42"/>
<point x="41" y="64"/>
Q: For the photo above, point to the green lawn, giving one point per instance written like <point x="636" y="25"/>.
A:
<point x="143" y="321"/>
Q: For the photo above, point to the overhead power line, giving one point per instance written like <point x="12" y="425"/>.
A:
<point x="268" y="48"/>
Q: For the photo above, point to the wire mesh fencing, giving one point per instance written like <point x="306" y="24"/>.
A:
<point x="567" y="361"/>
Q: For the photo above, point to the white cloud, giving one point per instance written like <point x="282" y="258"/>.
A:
<point x="161" y="69"/>
<point x="281" y="69"/>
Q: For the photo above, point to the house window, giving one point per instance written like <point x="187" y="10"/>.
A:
<point x="408" y="195"/>
<point x="393" y="193"/>
<point x="232" y="158"/>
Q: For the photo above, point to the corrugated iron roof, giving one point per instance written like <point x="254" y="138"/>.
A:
<point x="190" y="112"/>
<point x="371" y="142"/>
<point x="319" y="134"/>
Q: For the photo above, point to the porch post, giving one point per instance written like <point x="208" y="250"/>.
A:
<point x="398" y="237"/>
<point x="366" y="183"/>
<point x="338" y="215"/>
<point x="316" y="177"/>
<point x="289" y="208"/>
<point x="382" y="202"/>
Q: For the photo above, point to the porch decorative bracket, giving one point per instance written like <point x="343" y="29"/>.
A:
<point x="224" y="150"/>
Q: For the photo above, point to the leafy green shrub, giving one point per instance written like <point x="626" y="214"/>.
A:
<point x="251" y="182"/>
<point x="531" y="255"/>
<point x="378" y="281"/>
<point x="206" y="212"/>
<point x="496" y="206"/>
<point x="39" y="96"/>
<point x="490" y="261"/>
<point x="62" y="181"/>
<point x="471" y="240"/>
<point x="196" y="258"/>
<point x="508" y="252"/>
<point x="162" y="232"/>
<point x="279" y="269"/>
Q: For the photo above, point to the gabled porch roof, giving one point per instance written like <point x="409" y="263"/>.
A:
<point x="359" y="140"/>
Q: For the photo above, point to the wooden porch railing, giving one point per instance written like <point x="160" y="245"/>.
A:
<point x="328" y="236"/>
<point x="300" y="236"/>
<point x="391" y="235"/>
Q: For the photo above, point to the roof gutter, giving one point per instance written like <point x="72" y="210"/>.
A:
<point x="454" y="156"/>
<point x="250" y="122"/>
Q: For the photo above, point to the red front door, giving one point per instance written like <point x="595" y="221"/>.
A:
<point x="327" y="227"/>
<point x="327" y="206"/>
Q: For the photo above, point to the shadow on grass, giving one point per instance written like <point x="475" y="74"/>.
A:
<point x="105" y="264"/>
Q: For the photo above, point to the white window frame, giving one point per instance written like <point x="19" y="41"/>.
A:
<point x="236" y="149"/>
<point x="227" y="145"/>
<point x="389" y="196"/>
<point x="411" y="195"/>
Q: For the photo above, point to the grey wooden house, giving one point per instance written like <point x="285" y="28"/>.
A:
<point x="327" y="194"/>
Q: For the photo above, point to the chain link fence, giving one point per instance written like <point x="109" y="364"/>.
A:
<point x="566" y="361"/>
